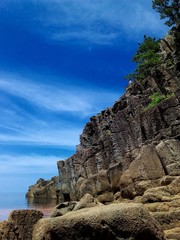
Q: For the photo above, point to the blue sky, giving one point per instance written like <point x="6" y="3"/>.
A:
<point x="61" y="61"/>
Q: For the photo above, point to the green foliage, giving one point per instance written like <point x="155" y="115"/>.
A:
<point x="169" y="62"/>
<point x="131" y="76"/>
<point x="157" y="98"/>
<point x="145" y="58"/>
<point x="169" y="9"/>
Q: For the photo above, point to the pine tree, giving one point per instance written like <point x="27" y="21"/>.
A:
<point x="169" y="9"/>
<point x="145" y="58"/>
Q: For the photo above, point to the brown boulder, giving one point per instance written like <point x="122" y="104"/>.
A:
<point x="169" y="153"/>
<point x="86" y="201"/>
<point x="63" y="208"/>
<point x="106" y="198"/>
<point x="167" y="219"/>
<point x="163" y="193"/>
<point x="173" y="234"/>
<point x="145" y="168"/>
<point x="95" y="185"/>
<point x="112" y="222"/>
<point x="19" y="225"/>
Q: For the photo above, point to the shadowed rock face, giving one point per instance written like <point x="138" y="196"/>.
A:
<point x="126" y="147"/>
<point x="113" y="222"/>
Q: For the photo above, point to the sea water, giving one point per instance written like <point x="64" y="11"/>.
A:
<point x="16" y="201"/>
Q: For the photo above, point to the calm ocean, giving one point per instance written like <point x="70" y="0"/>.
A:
<point x="12" y="201"/>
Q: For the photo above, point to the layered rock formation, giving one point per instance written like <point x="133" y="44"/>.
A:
<point x="163" y="202"/>
<point x="132" y="152"/>
<point x="127" y="147"/>
<point x="43" y="190"/>
<point x="127" y="153"/>
<point x="125" y="137"/>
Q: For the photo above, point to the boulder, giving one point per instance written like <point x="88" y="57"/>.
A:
<point x="163" y="193"/>
<point x="86" y="201"/>
<point x="95" y="185"/>
<point x="169" y="153"/>
<point x="117" y="196"/>
<point x="114" y="174"/>
<point x="145" y="169"/>
<point x="106" y="198"/>
<point x="167" y="213"/>
<point x="63" y="208"/>
<point x="19" y="225"/>
<point x="167" y="219"/>
<point x="166" y="180"/>
<point x="173" y="234"/>
<point x="43" y="189"/>
<point x="112" y="222"/>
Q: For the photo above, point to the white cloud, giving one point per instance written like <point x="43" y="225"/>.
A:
<point x="23" y="128"/>
<point x="28" y="164"/>
<point x="67" y="99"/>
<point x="58" y="137"/>
<point x="45" y="96"/>
<point x="89" y="21"/>
<point x="59" y="117"/>
<point x="99" y="21"/>
<point x="97" y="38"/>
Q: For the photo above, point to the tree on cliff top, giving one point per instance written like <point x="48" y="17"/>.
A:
<point x="145" y="58"/>
<point x="169" y="9"/>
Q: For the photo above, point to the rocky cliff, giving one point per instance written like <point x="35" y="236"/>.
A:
<point x="129" y="147"/>
<point x="42" y="190"/>
<point x="126" y="148"/>
<point x="128" y="154"/>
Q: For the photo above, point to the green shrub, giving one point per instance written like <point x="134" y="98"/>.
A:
<point x="157" y="98"/>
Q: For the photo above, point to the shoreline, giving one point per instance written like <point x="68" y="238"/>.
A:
<point x="4" y="213"/>
<point x="18" y="201"/>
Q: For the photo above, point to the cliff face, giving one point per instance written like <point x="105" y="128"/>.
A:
<point x="127" y="148"/>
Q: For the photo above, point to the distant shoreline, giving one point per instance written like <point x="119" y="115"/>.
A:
<point x="17" y="201"/>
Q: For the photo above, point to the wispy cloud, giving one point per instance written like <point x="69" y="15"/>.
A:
<point x="66" y="99"/>
<point x="57" y="137"/>
<point x="45" y="96"/>
<point x="100" y="21"/>
<point x="91" y="21"/>
<point x="21" y="127"/>
<point x="28" y="163"/>
<point x="85" y="36"/>
<point x="54" y="110"/>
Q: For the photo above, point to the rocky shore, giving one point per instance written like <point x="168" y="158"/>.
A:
<point x="153" y="216"/>
<point x="123" y="182"/>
